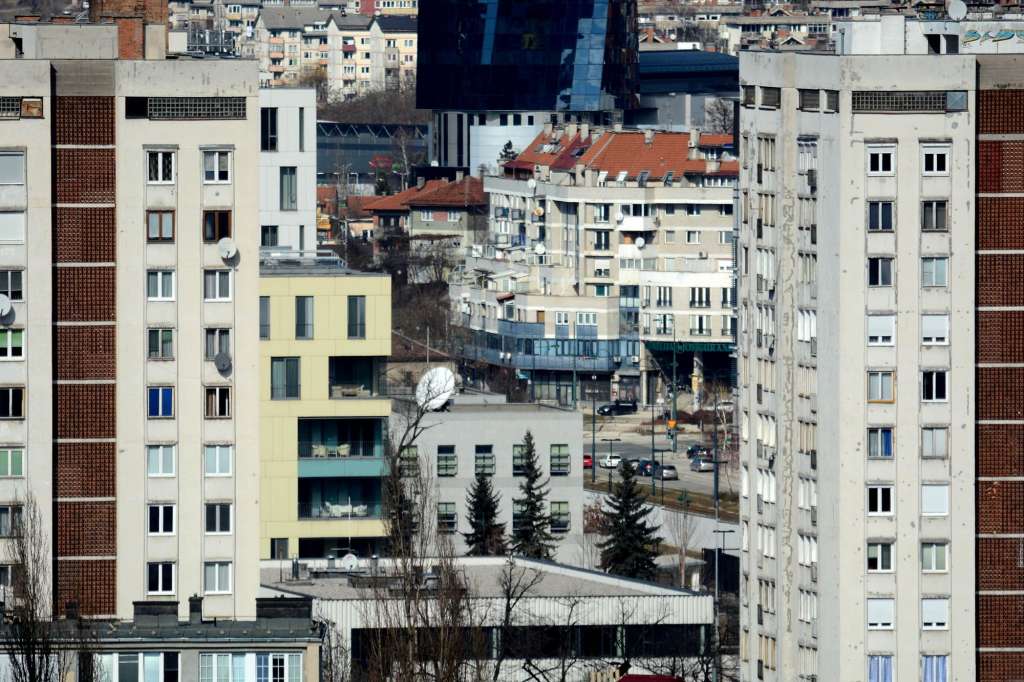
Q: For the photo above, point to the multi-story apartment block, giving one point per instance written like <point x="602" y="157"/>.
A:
<point x="325" y="333"/>
<point x="880" y="380"/>
<point x="353" y="52"/>
<point x="288" y="215"/>
<point x="129" y="407"/>
<point x="608" y="253"/>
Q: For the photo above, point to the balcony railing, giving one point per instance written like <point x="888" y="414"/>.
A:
<point x="310" y="449"/>
<point x="340" y="511"/>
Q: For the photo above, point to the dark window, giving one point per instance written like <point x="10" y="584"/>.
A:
<point x="161" y="519"/>
<point x="284" y="378"/>
<point x="264" y="317"/>
<point x="268" y="129"/>
<point x="216" y="225"/>
<point x="128" y="663"/>
<point x="12" y="402"/>
<point x="279" y="548"/>
<point x="289" y="189"/>
<point x="268" y="235"/>
<point x="170" y="666"/>
<point x="303" y="317"/>
<point x="357" y="317"/>
<point x="135" y="107"/>
<point x="218" y="402"/>
<point x="880" y="216"/>
<point x="218" y="518"/>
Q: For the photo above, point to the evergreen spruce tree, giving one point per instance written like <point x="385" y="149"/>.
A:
<point x="508" y="152"/>
<point x="487" y="537"/>
<point x="632" y="542"/>
<point x="532" y="536"/>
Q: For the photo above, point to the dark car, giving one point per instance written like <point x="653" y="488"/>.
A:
<point x="634" y="463"/>
<point x="697" y="450"/>
<point x="617" y="407"/>
<point x="645" y="467"/>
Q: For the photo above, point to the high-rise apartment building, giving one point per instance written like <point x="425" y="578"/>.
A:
<point x="129" y="399"/>
<point x="880" y="369"/>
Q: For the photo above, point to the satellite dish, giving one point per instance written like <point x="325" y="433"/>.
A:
<point x="531" y="183"/>
<point x="539" y="249"/>
<point x="226" y="248"/>
<point x="538" y="211"/>
<point x="640" y="242"/>
<point x="957" y="10"/>
<point x="5" y="305"/>
<point x="619" y="217"/>
<point x="349" y="562"/>
<point x="435" y="388"/>
<point x="498" y="255"/>
<point x="222" y="361"/>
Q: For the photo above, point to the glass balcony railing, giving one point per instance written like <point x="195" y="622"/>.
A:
<point x="340" y="511"/>
<point x="347" y="449"/>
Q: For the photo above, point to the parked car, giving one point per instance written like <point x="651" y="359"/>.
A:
<point x="611" y="462"/>
<point x="634" y="463"/>
<point x="645" y="467"/>
<point x="588" y="460"/>
<point x="697" y="450"/>
<point x="617" y="407"/>
<point x="666" y="472"/>
<point x="701" y="464"/>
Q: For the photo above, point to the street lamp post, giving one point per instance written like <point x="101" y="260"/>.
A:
<point x="719" y="544"/>
<point x="659" y="451"/>
<point x="610" y="441"/>
<point x="593" y="428"/>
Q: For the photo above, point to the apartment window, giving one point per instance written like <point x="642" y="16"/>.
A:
<point x="934" y="385"/>
<point x="268" y="129"/>
<point x="453" y="216"/>
<point x="560" y="460"/>
<point x="160" y="285"/>
<point x="935" y="499"/>
<point x="217" y="579"/>
<point x="881" y="613"/>
<point x="160" y="577"/>
<point x="881" y="159"/>
<point x="447" y="462"/>
<point x="303" y="317"/>
<point x="559" y="513"/>
<point x="933" y="216"/>
<point x="880" y="215"/>
<point x="447" y="521"/>
<point x="693" y="236"/>
<point x="880" y="500"/>
<point x="10" y="519"/>
<point x="268" y="235"/>
<point x="218" y="402"/>
<point x="881" y="330"/>
<point x="934" y="668"/>
<point x="810" y="100"/>
<point x="217" y="460"/>
<point x="217" y="285"/>
<point x="935" y="613"/>
<point x="357" y="317"/>
<point x="880" y="668"/>
<point x="216" y="225"/>
<point x="12" y="343"/>
<point x="934" y="557"/>
<point x="518" y="459"/>
<point x="161" y="519"/>
<point x="284" y="378"/>
<point x="302" y="129"/>
<point x="935" y="159"/>
<point x="160" y="344"/>
<point x="879" y="557"/>
<point x="289" y="189"/>
<point x="935" y="329"/>
<point x="218" y="518"/>
<point x="161" y="402"/>
<point x="264" y="317"/>
<point x="216" y="166"/>
<point x="880" y="387"/>
<point x="161" y="167"/>
<point x="880" y="271"/>
<point x="934" y="441"/>
<point x="160" y="460"/>
<point x="426" y="215"/>
<point x="934" y="271"/>
<point x="601" y="213"/>
<point x="770" y="98"/>
<point x="484" y="460"/>
<point x="218" y="341"/>
<point x="880" y="441"/>
<point x="160" y="226"/>
<point x="12" y="226"/>
<point x="10" y="285"/>
<point x="12" y="168"/>
<point x="12" y="462"/>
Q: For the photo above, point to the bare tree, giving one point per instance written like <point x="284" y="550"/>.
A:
<point x="681" y="528"/>
<point x="593" y="531"/>
<point x="718" y="116"/>
<point x="316" y="77"/>
<point x="517" y="583"/>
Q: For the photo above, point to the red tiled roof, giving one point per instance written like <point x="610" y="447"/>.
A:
<point x="715" y="140"/>
<point x="399" y="202"/>
<point x="628" y="151"/>
<point x="559" y="154"/>
<point x="469" y="191"/>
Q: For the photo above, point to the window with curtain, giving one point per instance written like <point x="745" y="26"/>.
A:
<point x="303" y="317"/>
<point x="289" y="189"/>
<point x="934" y="668"/>
<point x="284" y="378"/>
<point x="880" y="668"/>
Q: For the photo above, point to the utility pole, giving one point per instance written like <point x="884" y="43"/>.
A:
<point x="610" y="441"/>
<point x="593" y="428"/>
<point x="675" y="438"/>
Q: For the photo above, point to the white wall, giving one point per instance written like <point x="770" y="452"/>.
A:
<point x="289" y="102"/>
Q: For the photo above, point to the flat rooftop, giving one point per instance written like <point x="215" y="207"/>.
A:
<point x="283" y="261"/>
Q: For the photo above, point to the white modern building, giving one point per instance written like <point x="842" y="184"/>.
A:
<point x="878" y="279"/>
<point x="287" y="190"/>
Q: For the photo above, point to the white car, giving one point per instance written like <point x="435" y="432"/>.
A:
<point x="611" y="462"/>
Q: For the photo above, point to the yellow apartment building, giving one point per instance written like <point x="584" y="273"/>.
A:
<point x="325" y="334"/>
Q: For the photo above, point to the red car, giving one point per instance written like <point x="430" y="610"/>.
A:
<point x="588" y="461"/>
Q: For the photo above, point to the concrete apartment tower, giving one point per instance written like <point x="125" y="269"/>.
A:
<point x="880" y="357"/>
<point x="130" y="396"/>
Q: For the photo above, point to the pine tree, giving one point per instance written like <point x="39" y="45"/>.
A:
<point x="532" y="535"/>
<point x="487" y="537"/>
<point x="508" y="152"/>
<point x="632" y="542"/>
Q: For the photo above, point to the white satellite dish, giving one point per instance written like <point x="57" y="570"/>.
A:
<point x="539" y="249"/>
<point x="957" y="10"/>
<point x="349" y="562"/>
<point x="640" y="242"/>
<point x="538" y="211"/>
<point x="5" y="305"/>
<point x="226" y="248"/>
<point x="619" y="217"/>
<point x="222" y="361"/>
<point x="435" y="388"/>
<point x="531" y="183"/>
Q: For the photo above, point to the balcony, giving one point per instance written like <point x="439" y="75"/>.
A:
<point x="277" y="55"/>
<point x="341" y="438"/>
<point x="348" y="47"/>
<point x="635" y="223"/>
<point x="355" y="377"/>
<point x="276" y="68"/>
<point x="339" y="499"/>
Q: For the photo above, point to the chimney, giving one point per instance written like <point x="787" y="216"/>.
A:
<point x="585" y="130"/>
<point x="570" y="131"/>
<point x="617" y="128"/>
<point x="648" y="137"/>
<point x="195" y="610"/>
<point x="420" y="181"/>
<point x="459" y="174"/>
<point x="693" y="153"/>
<point x="548" y="129"/>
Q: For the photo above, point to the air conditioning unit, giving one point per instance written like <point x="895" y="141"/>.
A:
<point x="814" y="573"/>
<point x="635" y="359"/>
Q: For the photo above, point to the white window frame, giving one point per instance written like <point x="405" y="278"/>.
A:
<point x="217" y="450"/>
<point x="163" y="589"/>
<point x="935" y="613"/>
<point x="879" y="547"/>
<point x="875" y="441"/>
<point x="882" y="374"/>
<point x="930" y="380"/>
<point x="938" y="154"/>
<point x="882" y="151"/>
<point x="939" y="334"/>
<point x="929" y="434"/>
<point x="932" y="281"/>
<point x="9" y="454"/>
<point x="216" y="154"/>
<point x="935" y="489"/>
<point x="231" y="518"/>
<point x="426" y="215"/>
<point x="159" y="165"/>
<point x="218" y="296"/>
<point x="161" y="276"/>
<point x="163" y="532"/>
<point x="929" y="567"/>
<point x="12" y="153"/>
<point x="892" y="500"/>
<point x="217" y="566"/>
<point x="886" y="618"/>
<point x="693" y="236"/>
<point x="161" y="448"/>
<point x="453" y="216"/>
<point x="882" y="330"/>
<point x="7" y="347"/>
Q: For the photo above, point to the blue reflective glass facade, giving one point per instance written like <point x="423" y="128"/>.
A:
<point x="527" y="55"/>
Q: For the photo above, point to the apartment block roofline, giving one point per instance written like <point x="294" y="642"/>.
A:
<point x="288" y="262"/>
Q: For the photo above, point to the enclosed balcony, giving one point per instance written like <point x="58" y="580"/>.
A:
<point x="332" y="447"/>
<point x="355" y="377"/>
<point x="339" y="499"/>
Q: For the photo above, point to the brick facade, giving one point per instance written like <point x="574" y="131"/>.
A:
<point x="99" y="363"/>
<point x="86" y="470"/>
<point x="1000" y="392"/>
<point x="92" y="582"/>
<point x="1000" y="449"/>
<point x="999" y="565"/>
<point x="1000" y="112"/>
<point x="1004" y="666"/>
<point x="85" y="235"/>
<point x="1000" y="622"/>
<point x="84" y="120"/>
<point x="85" y="294"/>
<point x="1003" y="332"/>
<point x="86" y="529"/>
<point x="85" y="410"/>
<point x="84" y="176"/>
<point x="1000" y="506"/>
<point x="1003" y="221"/>
<point x="999" y="279"/>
